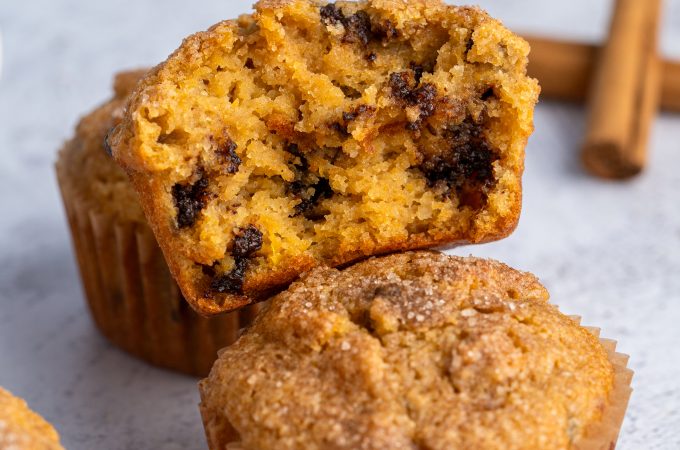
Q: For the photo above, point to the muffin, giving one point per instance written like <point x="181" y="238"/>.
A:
<point x="313" y="134"/>
<point x="132" y="297"/>
<point x="415" y="350"/>
<point x="23" y="429"/>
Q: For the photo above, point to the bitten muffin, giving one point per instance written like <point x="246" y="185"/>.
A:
<point x="23" y="429"/>
<point x="413" y="351"/>
<point x="312" y="133"/>
<point x="132" y="297"/>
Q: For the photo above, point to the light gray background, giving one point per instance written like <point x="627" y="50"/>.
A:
<point x="607" y="251"/>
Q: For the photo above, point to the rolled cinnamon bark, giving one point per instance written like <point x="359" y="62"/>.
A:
<point x="622" y="99"/>
<point x="565" y="68"/>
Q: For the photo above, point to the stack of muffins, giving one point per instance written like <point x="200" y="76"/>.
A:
<point x="272" y="159"/>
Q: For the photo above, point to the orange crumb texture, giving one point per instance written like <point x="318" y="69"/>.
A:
<point x="410" y="351"/>
<point x="22" y="429"/>
<point x="310" y="133"/>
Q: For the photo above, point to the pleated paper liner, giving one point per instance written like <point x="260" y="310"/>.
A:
<point x="600" y="436"/>
<point x="132" y="297"/>
<point x="604" y="434"/>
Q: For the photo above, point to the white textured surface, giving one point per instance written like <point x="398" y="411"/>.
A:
<point x="609" y="252"/>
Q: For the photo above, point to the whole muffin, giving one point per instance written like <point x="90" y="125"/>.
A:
<point x="132" y="297"/>
<point x="323" y="133"/>
<point x="23" y="429"/>
<point x="413" y="351"/>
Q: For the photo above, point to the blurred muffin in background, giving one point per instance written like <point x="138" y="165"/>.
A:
<point x="133" y="299"/>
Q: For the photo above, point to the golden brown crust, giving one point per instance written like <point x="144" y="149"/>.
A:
<point x="84" y="160"/>
<point x="481" y="90"/>
<point x="23" y="429"/>
<point x="414" y="350"/>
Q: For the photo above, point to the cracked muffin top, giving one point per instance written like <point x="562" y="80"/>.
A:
<point x="85" y="162"/>
<point x="331" y="131"/>
<point x="22" y="429"/>
<point x="409" y="351"/>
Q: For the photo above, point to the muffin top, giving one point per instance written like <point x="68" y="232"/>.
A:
<point x="414" y="350"/>
<point x="85" y="164"/>
<point x="21" y="428"/>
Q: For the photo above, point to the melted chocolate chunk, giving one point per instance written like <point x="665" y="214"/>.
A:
<point x="227" y="157"/>
<point x="247" y="242"/>
<point x="424" y="97"/>
<point x="332" y="15"/>
<point x="308" y="200"/>
<point x="358" y="26"/>
<point x="358" y="111"/>
<point x="307" y="187"/>
<point x="358" y="29"/>
<point x="385" y="31"/>
<point x="232" y="281"/>
<point x="404" y="90"/>
<point x="468" y="166"/>
<point x="401" y="86"/>
<point x="189" y="201"/>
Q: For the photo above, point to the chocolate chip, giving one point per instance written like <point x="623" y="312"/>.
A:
<point x="424" y="97"/>
<point x="189" y="200"/>
<point x="232" y="281"/>
<point x="468" y="165"/>
<point x="401" y="85"/>
<point x="247" y="242"/>
<point x="357" y="29"/>
<point x="227" y="157"/>
<point x="358" y="111"/>
<point x="404" y="91"/>
<point x="331" y="15"/>
<point x="307" y="187"/>
<point x="249" y="64"/>
<point x="385" y="31"/>
<point x="358" y="26"/>
<point x="371" y="57"/>
<point x="310" y="194"/>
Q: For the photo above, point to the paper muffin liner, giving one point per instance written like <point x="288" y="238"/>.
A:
<point x="132" y="297"/>
<point x="604" y="434"/>
<point x="600" y="436"/>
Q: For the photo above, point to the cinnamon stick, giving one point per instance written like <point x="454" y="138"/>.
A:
<point x="565" y="69"/>
<point x="623" y="97"/>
